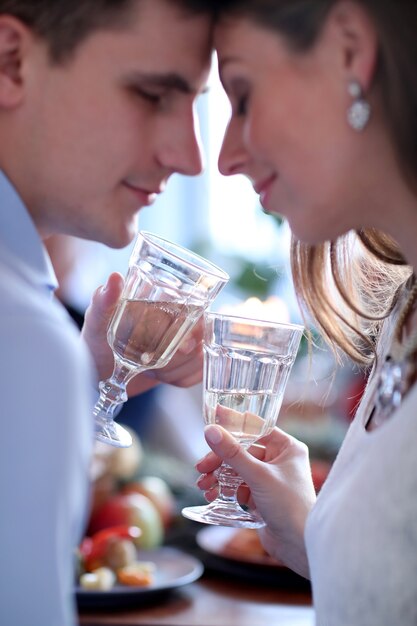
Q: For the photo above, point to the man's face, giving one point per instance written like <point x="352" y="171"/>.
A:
<point x="106" y="130"/>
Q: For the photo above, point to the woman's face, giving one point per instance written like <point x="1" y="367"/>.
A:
<point x="288" y="130"/>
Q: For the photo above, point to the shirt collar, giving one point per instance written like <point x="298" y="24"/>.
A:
<point x="20" y="240"/>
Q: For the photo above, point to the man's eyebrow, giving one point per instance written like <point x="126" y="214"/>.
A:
<point x="171" y="81"/>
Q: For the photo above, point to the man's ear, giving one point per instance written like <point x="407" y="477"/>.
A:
<point x="14" y="38"/>
<point x="357" y="39"/>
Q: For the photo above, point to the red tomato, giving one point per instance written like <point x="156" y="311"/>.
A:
<point x="131" y="509"/>
<point x="94" y="548"/>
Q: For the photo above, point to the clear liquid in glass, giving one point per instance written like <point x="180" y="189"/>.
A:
<point x="254" y="407"/>
<point x="253" y="414"/>
<point x="143" y="332"/>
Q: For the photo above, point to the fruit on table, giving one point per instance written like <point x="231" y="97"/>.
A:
<point x="125" y="462"/>
<point x="113" y="546"/>
<point x="111" y="555"/>
<point x="159" y="492"/>
<point x="101" y="579"/>
<point x="131" y="509"/>
<point x="140" y="573"/>
<point x="103" y="488"/>
<point x="111" y="465"/>
<point x="120" y="553"/>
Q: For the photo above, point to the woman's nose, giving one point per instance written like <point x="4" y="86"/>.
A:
<point x="233" y="155"/>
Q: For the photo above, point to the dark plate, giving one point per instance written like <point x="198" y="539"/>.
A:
<point x="173" y="569"/>
<point x="258" y="568"/>
<point x="216" y="540"/>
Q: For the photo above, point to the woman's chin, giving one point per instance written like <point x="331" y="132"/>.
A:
<point x="314" y="234"/>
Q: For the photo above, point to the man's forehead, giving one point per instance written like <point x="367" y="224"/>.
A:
<point x="177" y="11"/>
<point x="179" y="41"/>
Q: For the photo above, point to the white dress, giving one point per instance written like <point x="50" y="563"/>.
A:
<point x="361" y="536"/>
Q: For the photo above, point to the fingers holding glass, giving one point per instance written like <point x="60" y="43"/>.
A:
<point x="166" y="290"/>
<point x="246" y="367"/>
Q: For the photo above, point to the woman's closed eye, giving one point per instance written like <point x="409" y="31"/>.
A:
<point x="238" y="92"/>
<point x="240" y="106"/>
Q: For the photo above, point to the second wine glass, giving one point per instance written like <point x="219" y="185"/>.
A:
<point x="247" y="363"/>
<point x="166" y="290"/>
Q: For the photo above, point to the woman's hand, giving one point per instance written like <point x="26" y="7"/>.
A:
<point x="278" y="480"/>
<point x="185" y="368"/>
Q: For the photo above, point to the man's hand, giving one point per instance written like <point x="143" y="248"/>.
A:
<point x="185" y="368"/>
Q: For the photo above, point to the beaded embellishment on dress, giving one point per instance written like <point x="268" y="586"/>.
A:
<point x="398" y="369"/>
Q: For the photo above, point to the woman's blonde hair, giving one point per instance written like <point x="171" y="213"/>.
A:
<point x="348" y="295"/>
<point x="349" y="286"/>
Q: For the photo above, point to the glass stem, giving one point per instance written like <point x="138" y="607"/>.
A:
<point x="113" y="391"/>
<point x="229" y="483"/>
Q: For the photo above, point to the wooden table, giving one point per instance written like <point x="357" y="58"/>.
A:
<point x="216" y="601"/>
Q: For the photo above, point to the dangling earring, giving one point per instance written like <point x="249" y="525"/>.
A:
<point x="360" y="110"/>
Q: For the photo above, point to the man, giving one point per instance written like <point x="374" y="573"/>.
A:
<point x="96" y="112"/>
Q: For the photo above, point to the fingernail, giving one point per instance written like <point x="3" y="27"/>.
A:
<point x="105" y="286"/>
<point x="213" y="434"/>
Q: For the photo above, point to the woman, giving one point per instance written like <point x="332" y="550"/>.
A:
<point x="324" y="123"/>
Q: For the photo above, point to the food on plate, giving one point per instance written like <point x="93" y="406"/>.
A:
<point x="246" y="541"/>
<point x="159" y="492"/>
<point x="103" y="579"/>
<point x="139" y="573"/>
<point x="245" y="544"/>
<point x="111" y="555"/>
<point x="103" y="488"/>
<point x="130" y="509"/>
<point x="120" y="553"/>
<point x="112" y="547"/>
<point x="125" y="462"/>
<point x="111" y="466"/>
<point x="129" y="514"/>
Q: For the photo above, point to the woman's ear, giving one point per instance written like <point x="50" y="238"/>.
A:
<point x="14" y="37"/>
<point x="357" y="41"/>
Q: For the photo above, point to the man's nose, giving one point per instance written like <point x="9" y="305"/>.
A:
<point x="183" y="151"/>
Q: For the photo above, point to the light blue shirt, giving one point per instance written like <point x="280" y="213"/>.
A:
<point x="46" y="430"/>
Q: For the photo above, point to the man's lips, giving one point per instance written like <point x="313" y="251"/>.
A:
<point x="144" y="196"/>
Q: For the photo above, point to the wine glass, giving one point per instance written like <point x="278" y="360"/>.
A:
<point x="247" y="363"/>
<point x="166" y="290"/>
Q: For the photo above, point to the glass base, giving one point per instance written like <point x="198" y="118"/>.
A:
<point x="224" y="514"/>
<point x="111" y="433"/>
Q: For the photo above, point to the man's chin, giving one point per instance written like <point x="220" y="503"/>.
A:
<point x="124" y="237"/>
<point x="116" y="234"/>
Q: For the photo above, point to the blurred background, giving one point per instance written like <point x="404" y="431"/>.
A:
<point x="221" y="219"/>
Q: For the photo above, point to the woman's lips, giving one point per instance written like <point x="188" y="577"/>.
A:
<point x="263" y="188"/>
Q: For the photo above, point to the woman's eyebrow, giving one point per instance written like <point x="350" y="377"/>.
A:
<point x="225" y="60"/>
